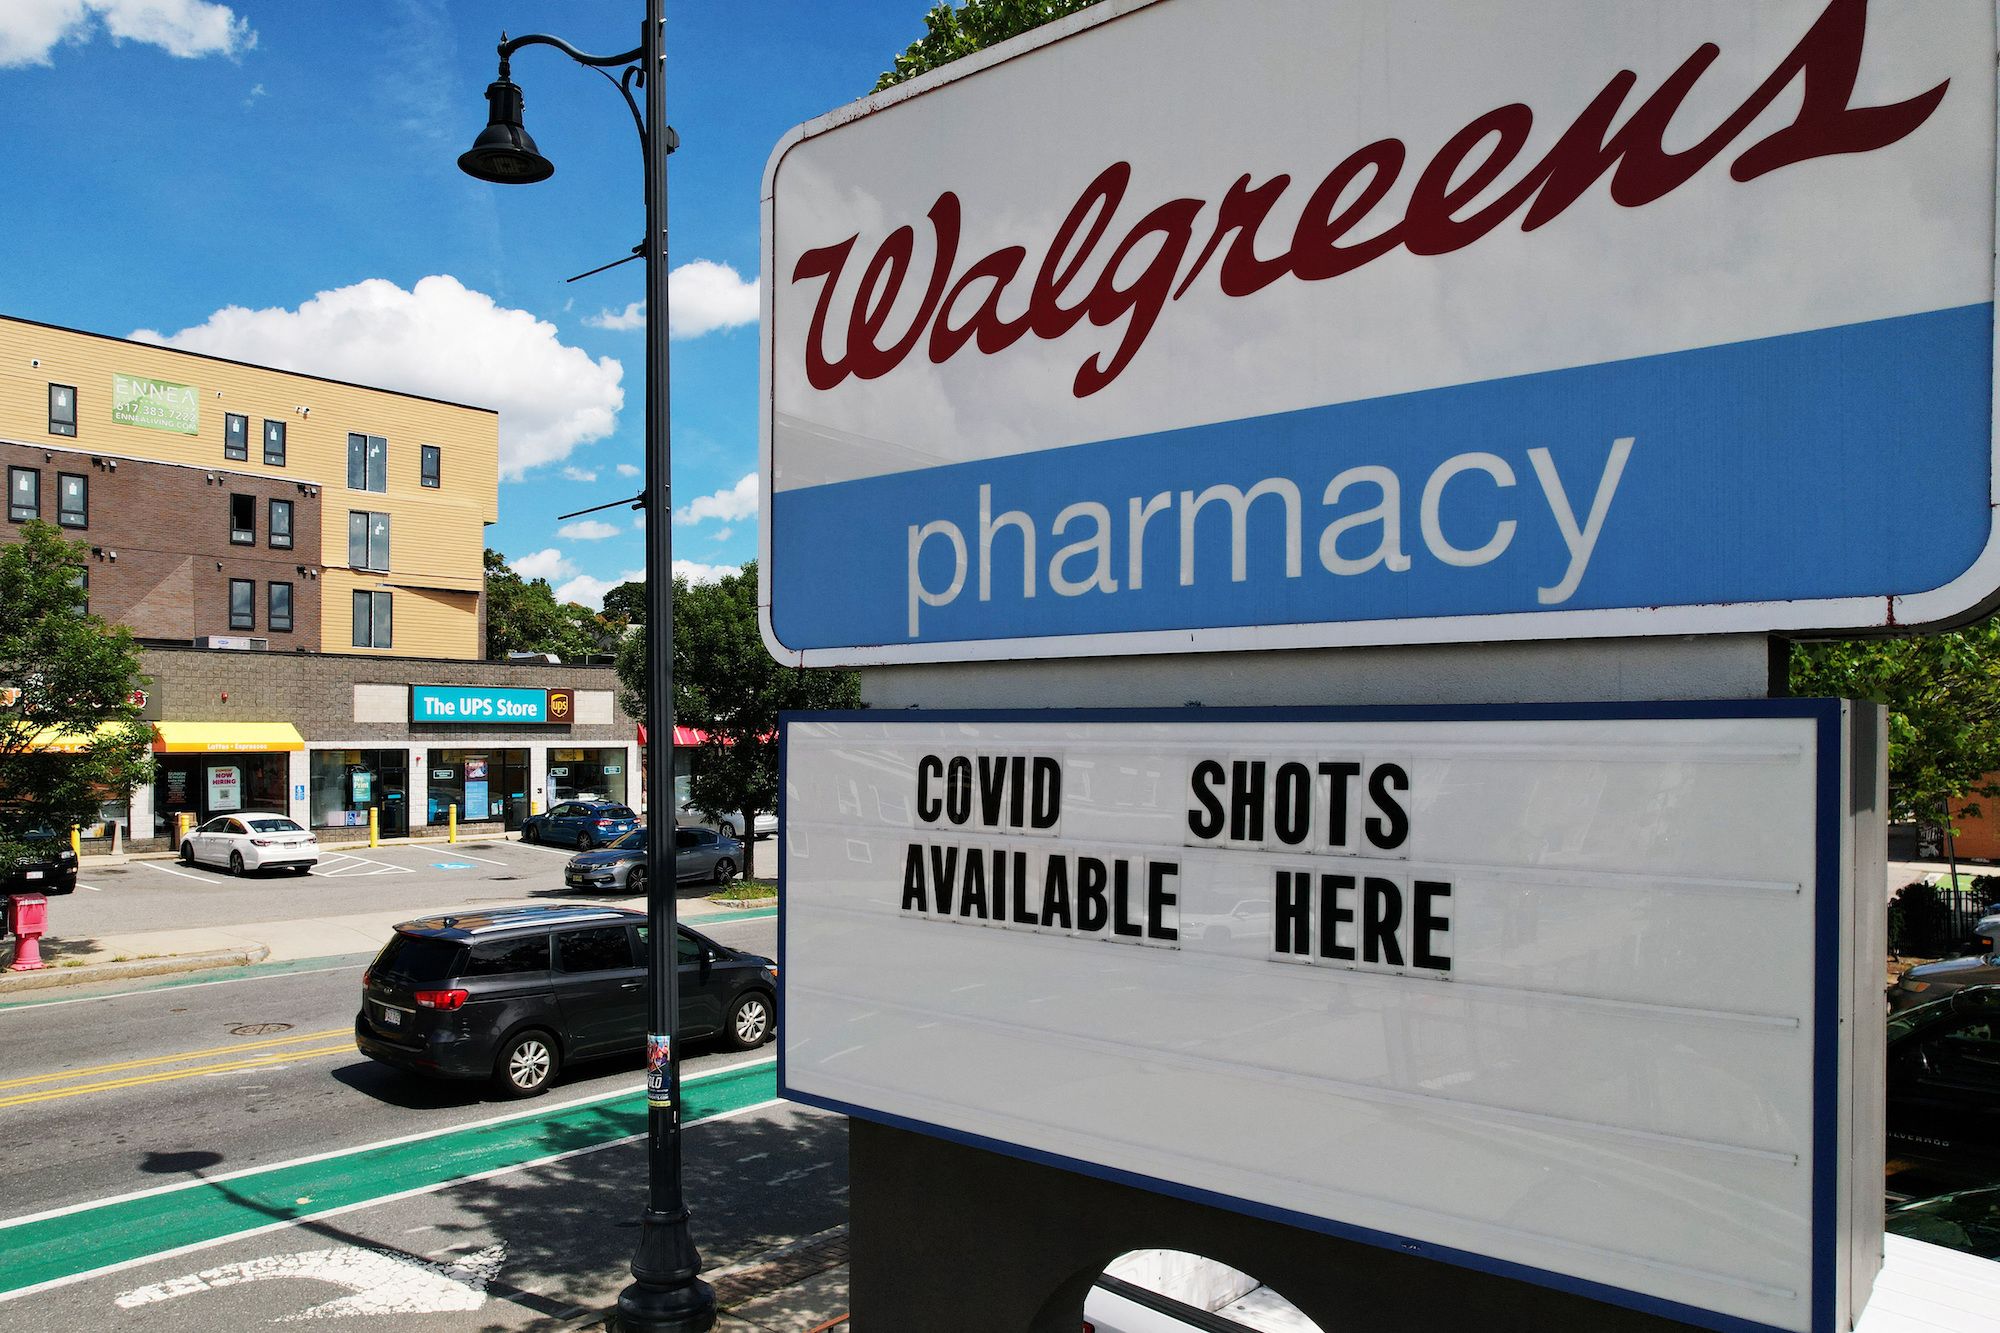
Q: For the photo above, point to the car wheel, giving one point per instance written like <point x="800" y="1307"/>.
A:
<point x="236" y="863"/>
<point x="585" y="843"/>
<point x="725" y="870"/>
<point x="750" y="1021"/>
<point x="726" y="828"/>
<point x="635" y="880"/>
<point x="530" y="833"/>
<point x="527" y="1065"/>
<point x="187" y="853"/>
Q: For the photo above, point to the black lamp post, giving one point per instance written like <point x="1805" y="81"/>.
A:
<point x="666" y="1296"/>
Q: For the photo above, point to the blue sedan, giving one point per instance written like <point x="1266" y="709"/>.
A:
<point x="580" y="824"/>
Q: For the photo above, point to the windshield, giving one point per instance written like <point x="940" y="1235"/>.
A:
<point x="635" y="841"/>
<point x="274" y="826"/>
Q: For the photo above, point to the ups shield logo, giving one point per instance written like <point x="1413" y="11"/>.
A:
<point x="560" y="705"/>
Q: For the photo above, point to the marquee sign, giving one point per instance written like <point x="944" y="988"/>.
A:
<point x="485" y="706"/>
<point x="1218" y="324"/>
<point x="1581" y="995"/>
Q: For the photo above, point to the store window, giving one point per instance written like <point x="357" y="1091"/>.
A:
<point x="203" y="786"/>
<point x="433" y="466"/>
<point x="242" y="604"/>
<point x="243" y="520"/>
<point x="367" y="463"/>
<point x="485" y="784"/>
<point x="373" y="627"/>
<point x="281" y="525"/>
<point x="24" y="494"/>
<point x="347" y="784"/>
<point x="278" y="616"/>
<point x="62" y="410"/>
<point x="274" y="443"/>
<point x="587" y="775"/>
<point x="72" y="500"/>
<point x="235" y="436"/>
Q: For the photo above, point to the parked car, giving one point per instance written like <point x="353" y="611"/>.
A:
<point x="1967" y="1220"/>
<point x="256" y="840"/>
<point x="49" y="867"/>
<point x="729" y="826"/>
<point x="580" y="824"/>
<point x="514" y="994"/>
<point x="1929" y="982"/>
<point x="705" y="856"/>
<point x="1944" y="1094"/>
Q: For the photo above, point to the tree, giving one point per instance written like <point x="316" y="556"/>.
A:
<point x="1943" y="693"/>
<point x="66" y="679"/>
<point x="523" y="616"/>
<point x="727" y="685"/>
<point x="954" y="31"/>
<point x="626" y="604"/>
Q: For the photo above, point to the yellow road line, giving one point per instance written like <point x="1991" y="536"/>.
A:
<point x="200" y="1071"/>
<point x="240" y="1047"/>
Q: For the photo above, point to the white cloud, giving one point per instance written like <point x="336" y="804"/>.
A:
<point x="590" y="591"/>
<point x="739" y="501"/>
<point x="30" y="29"/>
<point x="722" y="534"/>
<point x="588" y="530"/>
<point x="694" y="572"/>
<point x="580" y="474"/>
<point x="544" y="564"/>
<point x="629" y="470"/>
<point x="439" y="339"/>
<point x="702" y="296"/>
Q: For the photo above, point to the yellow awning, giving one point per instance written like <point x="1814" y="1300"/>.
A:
<point x="57" y="741"/>
<point x="225" y="737"/>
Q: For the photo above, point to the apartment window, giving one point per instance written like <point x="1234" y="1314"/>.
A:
<point x="81" y="582"/>
<point x="242" y="604"/>
<point x="367" y="463"/>
<point x="274" y="443"/>
<point x="367" y="540"/>
<point x="72" y="500"/>
<point x="62" y="410"/>
<point x="243" y="520"/>
<point x="433" y="466"/>
<point x="24" y="494"/>
<point x="235" y="437"/>
<point x="281" y="525"/>
<point x="278" y="609"/>
<point x="373" y="627"/>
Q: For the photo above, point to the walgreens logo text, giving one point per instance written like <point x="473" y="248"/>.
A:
<point x="962" y="305"/>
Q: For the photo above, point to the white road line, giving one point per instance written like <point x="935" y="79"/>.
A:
<point x="92" y="887"/>
<point x="169" y="870"/>
<point x="192" y="985"/>
<point x="487" y="859"/>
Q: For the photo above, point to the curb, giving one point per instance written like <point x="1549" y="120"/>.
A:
<point x="171" y="964"/>
<point x="742" y="904"/>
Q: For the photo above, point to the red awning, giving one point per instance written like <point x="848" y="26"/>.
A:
<point x="682" y="735"/>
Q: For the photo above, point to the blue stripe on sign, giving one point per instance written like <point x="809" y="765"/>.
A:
<point x="1838" y="463"/>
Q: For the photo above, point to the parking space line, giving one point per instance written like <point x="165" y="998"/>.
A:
<point x="487" y="859"/>
<point x="169" y="870"/>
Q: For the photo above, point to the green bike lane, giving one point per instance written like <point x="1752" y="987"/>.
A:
<point x="62" y="1246"/>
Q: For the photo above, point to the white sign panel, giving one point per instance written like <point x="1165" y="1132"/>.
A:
<point x="1553" y="992"/>
<point x="225" y="787"/>
<point x="1196" y="324"/>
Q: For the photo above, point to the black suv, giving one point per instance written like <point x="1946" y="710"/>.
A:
<point x="514" y="993"/>
<point x="49" y="867"/>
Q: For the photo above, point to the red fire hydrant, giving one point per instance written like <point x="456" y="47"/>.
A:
<point x="28" y="915"/>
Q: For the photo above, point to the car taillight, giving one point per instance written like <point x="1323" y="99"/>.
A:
<point x="606" y="823"/>
<point x="366" y="977"/>
<point x="440" y="999"/>
<point x="260" y="842"/>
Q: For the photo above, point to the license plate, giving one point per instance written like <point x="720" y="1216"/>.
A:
<point x="34" y="874"/>
<point x="391" y="1017"/>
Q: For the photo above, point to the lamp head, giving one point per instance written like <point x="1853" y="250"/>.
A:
<point x="504" y="153"/>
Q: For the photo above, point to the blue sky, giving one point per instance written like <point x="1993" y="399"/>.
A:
<point x="276" y="181"/>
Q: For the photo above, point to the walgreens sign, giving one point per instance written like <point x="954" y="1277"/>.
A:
<point x="1194" y="324"/>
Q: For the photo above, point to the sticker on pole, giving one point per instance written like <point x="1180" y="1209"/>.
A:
<point x="659" y="1071"/>
<point x="1183" y="325"/>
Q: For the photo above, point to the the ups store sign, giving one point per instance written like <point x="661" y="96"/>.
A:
<point x="460" y="705"/>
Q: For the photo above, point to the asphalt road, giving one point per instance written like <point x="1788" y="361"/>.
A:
<point x="130" y="1089"/>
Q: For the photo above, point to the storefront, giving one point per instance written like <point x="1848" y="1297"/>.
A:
<point x="587" y="775"/>
<point x="347" y="784"/>
<point x="485" y="784"/>
<point x="204" y="769"/>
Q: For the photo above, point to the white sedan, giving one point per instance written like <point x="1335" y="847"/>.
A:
<point x="252" y="841"/>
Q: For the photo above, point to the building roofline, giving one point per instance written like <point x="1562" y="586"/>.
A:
<point x="181" y="646"/>
<point x="251" y="365"/>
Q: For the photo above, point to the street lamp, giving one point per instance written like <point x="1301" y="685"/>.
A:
<point x="666" y="1296"/>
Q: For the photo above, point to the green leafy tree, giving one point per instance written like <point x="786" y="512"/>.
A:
<point x="523" y="616"/>
<point x="1943" y="693"/>
<point x="66" y="679"/>
<point x="952" y="31"/>
<point x="626" y="604"/>
<point x="727" y="685"/>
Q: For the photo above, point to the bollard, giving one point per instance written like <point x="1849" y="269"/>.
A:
<point x="117" y="838"/>
<point x="451" y="814"/>
<point x="75" y="841"/>
<point x="374" y="828"/>
<point x="182" y="824"/>
<point x="30" y="917"/>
